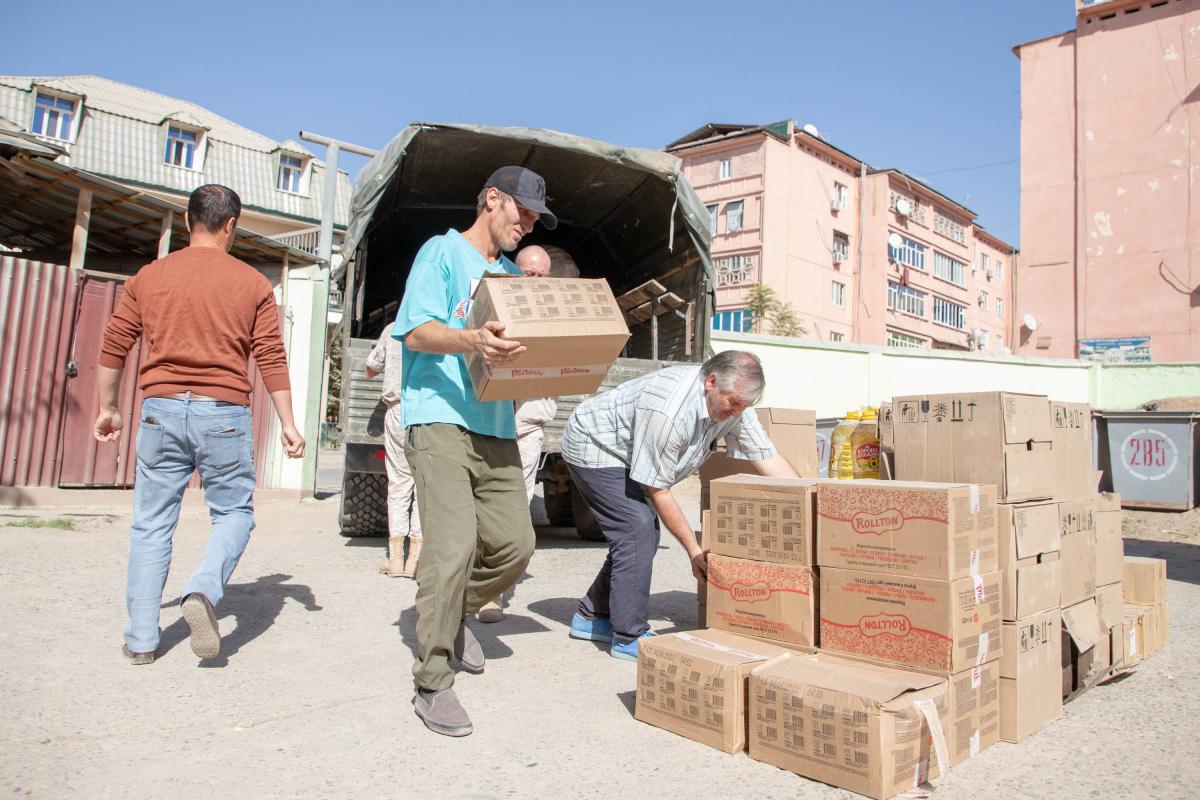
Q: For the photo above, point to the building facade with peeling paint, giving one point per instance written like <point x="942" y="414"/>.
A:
<point x="861" y="254"/>
<point x="1109" y="204"/>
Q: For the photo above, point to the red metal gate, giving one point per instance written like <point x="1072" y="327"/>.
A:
<point x="87" y="462"/>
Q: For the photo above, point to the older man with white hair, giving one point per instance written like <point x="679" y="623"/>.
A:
<point x="627" y="448"/>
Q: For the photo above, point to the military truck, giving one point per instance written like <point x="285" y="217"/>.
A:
<point x="624" y="214"/>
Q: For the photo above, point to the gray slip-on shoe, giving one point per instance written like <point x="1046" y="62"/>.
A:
<point x="468" y="650"/>
<point x="199" y="615"/>
<point x="137" y="659"/>
<point x="442" y="713"/>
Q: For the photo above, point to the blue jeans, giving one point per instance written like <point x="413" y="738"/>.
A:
<point x="175" y="438"/>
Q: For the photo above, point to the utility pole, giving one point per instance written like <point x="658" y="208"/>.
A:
<point x="314" y="400"/>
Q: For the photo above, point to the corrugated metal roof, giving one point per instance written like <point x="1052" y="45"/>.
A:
<point x="122" y="135"/>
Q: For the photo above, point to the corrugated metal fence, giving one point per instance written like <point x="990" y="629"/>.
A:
<point x="37" y="306"/>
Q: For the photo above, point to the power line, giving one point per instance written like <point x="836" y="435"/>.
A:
<point x="975" y="166"/>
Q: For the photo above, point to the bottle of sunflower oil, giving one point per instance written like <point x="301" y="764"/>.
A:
<point x="841" y="464"/>
<point x="864" y="444"/>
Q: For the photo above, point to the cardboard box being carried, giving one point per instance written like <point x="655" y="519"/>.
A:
<point x="996" y="438"/>
<point x="694" y="684"/>
<point x="1110" y="543"/>
<point x="1030" y="675"/>
<point x="861" y="727"/>
<point x="1077" y="525"/>
<point x="1029" y="544"/>
<point x="930" y="530"/>
<point x="764" y="519"/>
<point x="948" y="626"/>
<point x="702" y="583"/>
<point x="1075" y="473"/>
<point x="573" y="331"/>
<point x="762" y="599"/>
<point x="791" y="430"/>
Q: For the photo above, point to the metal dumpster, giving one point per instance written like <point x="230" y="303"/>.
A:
<point x="1149" y="457"/>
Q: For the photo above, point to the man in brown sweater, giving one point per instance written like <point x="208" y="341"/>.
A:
<point x="201" y="313"/>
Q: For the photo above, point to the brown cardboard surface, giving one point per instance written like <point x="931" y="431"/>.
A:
<point x="793" y="432"/>
<point x="1077" y="523"/>
<point x="997" y="438"/>
<point x="1074" y="472"/>
<point x="573" y="331"/>
<point x="930" y="530"/>
<point x="1086" y="649"/>
<point x="694" y="684"/>
<point x="1029" y="540"/>
<point x="1145" y="580"/>
<point x="1110" y="544"/>
<point x="1111" y="605"/>
<point x="848" y="724"/>
<point x="887" y="428"/>
<point x="915" y="622"/>
<point x="762" y="599"/>
<point x="974" y="702"/>
<point x="1030" y="675"/>
<point x="701" y="583"/>
<point x="764" y="519"/>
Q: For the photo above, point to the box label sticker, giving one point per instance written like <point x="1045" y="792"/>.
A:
<point x="980" y="593"/>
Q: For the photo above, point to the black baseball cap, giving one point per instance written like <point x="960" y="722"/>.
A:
<point x="527" y="188"/>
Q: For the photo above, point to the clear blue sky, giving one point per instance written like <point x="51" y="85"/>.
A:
<point x="928" y="86"/>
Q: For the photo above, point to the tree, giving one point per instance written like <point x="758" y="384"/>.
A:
<point x="784" y="322"/>
<point x="762" y="304"/>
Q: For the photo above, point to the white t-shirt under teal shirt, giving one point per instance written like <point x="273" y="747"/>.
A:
<point x="437" y="388"/>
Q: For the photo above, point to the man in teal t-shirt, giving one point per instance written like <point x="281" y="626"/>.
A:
<point x="463" y="453"/>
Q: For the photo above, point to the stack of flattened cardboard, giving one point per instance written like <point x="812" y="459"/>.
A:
<point x="875" y="730"/>
<point x="760" y="535"/>
<point x="909" y="577"/>
<point x="791" y="430"/>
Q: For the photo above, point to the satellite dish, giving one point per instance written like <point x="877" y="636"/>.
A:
<point x="903" y="207"/>
<point x="895" y="240"/>
<point x="1030" y="322"/>
<point x="811" y="130"/>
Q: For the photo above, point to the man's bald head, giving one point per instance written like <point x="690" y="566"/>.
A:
<point x="533" y="261"/>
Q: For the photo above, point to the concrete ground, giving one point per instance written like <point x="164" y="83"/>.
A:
<point x="311" y="695"/>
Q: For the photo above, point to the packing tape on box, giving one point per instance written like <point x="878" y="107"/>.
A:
<point x="1133" y="641"/>
<point x="975" y="743"/>
<point x="981" y="658"/>
<point x="929" y="711"/>
<point x="976" y="677"/>
<point x="733" y="651"/>
<point x="520" y="373"/>
<point x="975" y="563"/>
<point x="980" y="592"/>
<point x="974" y="498"/>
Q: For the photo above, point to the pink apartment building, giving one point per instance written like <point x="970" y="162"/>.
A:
<point x="863" y="255"/>
<point x="1109" y="131"/>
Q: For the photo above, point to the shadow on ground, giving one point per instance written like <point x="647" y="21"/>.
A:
<point x="1183" y="559"/>
<point x="255" y="606"/>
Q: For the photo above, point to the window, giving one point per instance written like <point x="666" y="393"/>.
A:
<point x="983" y="299"/>
<point x="906" y="300"/>
<point x="734" y="270"/>
<point x="999" y="343"/>
<point x="290" y="170"/>
<point x="733" y="216"/>
<point x="949" y="228"/>
<point x="1000" y="306"/>
<point x="841" y="196"/>
<point x="949" y="269"/>
<point x="738" y="320"/>
<point x="181" y="147"/>
<point x="53" y="117"/>
<point x="834" y="336"/>
<point x="983" y="340"/>
<point x="909" y="252"/>
<point x="838" y="296"/>
<point x="984" y="262"/>
<point x="841" y="247"/>
<point x="897" y="339"/>
<point x="999" y="270"/>
<point x="712" y="219"/>
<point x="949" y="313"/>
<point x="725" y="170"/>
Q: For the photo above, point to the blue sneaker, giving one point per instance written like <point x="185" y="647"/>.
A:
<point x="627" y="651"/>
<point x="598" y="629"/>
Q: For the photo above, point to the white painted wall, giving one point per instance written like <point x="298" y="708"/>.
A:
<point x="284" y="472"/>
<point x="834" y="378"/>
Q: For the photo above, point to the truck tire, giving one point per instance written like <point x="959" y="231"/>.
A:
<point x="364" y="504"/>
<point x="558" y="506"/>
<point x="585" y="521"/>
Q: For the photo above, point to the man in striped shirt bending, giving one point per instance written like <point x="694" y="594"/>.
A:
<point x="626" y="448"/>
